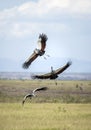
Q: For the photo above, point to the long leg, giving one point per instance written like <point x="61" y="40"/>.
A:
<point x="55" y="82"/>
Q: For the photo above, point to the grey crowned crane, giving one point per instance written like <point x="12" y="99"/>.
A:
<point x="54" y="73"/>
<point x="37" y="52"/>
<point x="30" y="95"/>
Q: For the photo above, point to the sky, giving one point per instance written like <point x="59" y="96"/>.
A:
<point x="67" y="23"/>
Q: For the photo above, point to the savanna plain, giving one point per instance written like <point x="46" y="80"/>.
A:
<point x="65" y="106"/>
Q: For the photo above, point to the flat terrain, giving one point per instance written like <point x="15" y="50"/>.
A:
<point x="65" y="106"/>
<point x="45" y="116"/>
<point x="63" y="92"/>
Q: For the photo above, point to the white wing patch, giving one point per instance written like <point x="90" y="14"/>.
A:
<point x="39" y="44"/>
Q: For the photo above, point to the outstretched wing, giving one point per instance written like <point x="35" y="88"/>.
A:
<point x="60" y="70"/>
<point x="37" y="52"/>
<point x="55" y="73"/>
<point x="42" y="41"/>
<point x="27" y="63"/>
<point x="25" y="97"/>
<point x="41" y="45"/>
<point x="43" y="76"/>
<point x="39" y="89"/>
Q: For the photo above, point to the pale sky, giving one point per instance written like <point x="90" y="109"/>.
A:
<point x="67" y="24"/>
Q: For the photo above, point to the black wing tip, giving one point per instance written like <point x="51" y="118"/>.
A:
<point x="33" y="76"/>
<point x="43" y="37"/>
<point x="44" y="88"/>
<point x="25" y="65"/>
<point x="69" y="63"/>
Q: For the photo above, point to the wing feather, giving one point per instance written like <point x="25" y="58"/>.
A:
<point x="41" y="88"/>
<point x="60" y="70"/>
<point x="25" y="97"/>
<point x="27" y="63"/>
<point x="42" y="40"/>
<point x="43" y="76"/>
<point x="43" y="46"/>
<point x="50" y="75"/>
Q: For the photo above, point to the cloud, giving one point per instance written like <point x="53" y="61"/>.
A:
<point x="40" y="8"/>
<point x="81" y="7"/>
<point x="66" y="22"/>
<point x="41" y="15"/>
<point x="43" y="7"/>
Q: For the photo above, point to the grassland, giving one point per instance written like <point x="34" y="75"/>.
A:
<point x="63" y="92"/>
<point x="45" y="116"/>
<point x="65" y="106"/>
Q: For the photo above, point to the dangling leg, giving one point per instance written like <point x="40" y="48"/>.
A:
<point x="44" y="57"/>
<point x="55" y="82"/>
<point x="47" y="55"/>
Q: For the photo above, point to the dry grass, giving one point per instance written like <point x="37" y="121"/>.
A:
<point x="45" y="116"/>
<point x="64" y="91"/>
<point x="49" y="110"/>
